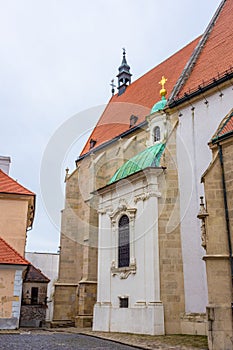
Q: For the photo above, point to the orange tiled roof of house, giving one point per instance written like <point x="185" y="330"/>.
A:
<point x="9" y="255"/>
<point x="216" y="56"/>
<point x="8" y="185"/>
<point x="138" y="98"/>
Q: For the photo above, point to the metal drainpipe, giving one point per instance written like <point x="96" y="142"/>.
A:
<point x="226" y="212"/>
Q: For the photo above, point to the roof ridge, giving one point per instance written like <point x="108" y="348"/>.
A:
<point x="191" y="62"/>
<point x="15" y="252"/>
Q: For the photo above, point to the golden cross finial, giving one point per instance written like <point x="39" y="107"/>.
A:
<point x="162" y="82"/>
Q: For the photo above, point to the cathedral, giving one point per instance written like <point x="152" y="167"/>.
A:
<point x="133" y="250"/>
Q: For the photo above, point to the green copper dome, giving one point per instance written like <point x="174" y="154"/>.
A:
<point x="159" y="105"/>
<point x="147" y="158"/>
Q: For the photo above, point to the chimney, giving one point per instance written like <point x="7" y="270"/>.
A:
<point x="5" y="164"/>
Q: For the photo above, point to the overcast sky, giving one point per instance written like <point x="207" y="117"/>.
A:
<point x="57" y="58"/>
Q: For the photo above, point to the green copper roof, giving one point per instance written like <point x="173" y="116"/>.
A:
<point x="159" y="105"/>
<point x="147" y="158"/>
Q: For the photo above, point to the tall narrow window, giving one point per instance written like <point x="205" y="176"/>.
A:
<point x="34" y="295"/>
<point x="156" y="133"/>
<point x="123" y="244"/>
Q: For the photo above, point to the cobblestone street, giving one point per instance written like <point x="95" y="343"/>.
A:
<point x="86" y="339"/>
<point x="54" y="341"/>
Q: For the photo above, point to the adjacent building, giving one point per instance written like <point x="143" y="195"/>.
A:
<point x="12" y="265"/>
<point x="34" y="298"/>
<point x="17" y="206"/>
<point x="48" y="264"/>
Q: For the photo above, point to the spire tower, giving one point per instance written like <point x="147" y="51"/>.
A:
<point x="124" y="75"/>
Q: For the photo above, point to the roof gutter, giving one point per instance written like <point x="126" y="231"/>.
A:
<point x="112" y="184"/>
<point x="227" y="75"/>
<point x="226" y="136"/>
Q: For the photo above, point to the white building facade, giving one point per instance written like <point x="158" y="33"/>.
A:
<point x="128" y="271"/>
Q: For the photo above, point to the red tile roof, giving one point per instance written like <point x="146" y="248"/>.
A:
<point x="201" y="63"/>
<point x="8" y="185"/>
<point x="139" y="97"/>
<point x="216" y="56"/>
<point x="225" y="127"/>
<point x="35" y="275"/>
<point x="9" y="255"/>
<point x="228" y="127"/>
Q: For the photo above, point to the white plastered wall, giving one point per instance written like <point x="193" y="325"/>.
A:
<point x="137" y="198"/>
<point x="195" y="129"/>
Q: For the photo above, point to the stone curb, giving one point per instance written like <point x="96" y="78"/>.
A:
<point x="143" y="347"/>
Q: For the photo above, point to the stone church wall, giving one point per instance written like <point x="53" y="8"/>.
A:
<point x="171" y="263"/>
<point x="219" y="311"/>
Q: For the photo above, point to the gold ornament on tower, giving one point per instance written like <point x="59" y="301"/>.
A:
<point x="162" y="82"/>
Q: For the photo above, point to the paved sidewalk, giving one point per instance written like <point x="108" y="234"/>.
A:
<point x="168" y="342"/>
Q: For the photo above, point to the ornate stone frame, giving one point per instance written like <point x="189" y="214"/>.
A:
<point x="123" y="208"/>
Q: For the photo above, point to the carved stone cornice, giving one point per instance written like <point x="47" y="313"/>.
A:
<point x="102" y="211"/>
<point x="146" y="195"/>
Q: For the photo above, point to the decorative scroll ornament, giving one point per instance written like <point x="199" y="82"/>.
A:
<point x="122" y="207"/>
<point x="124" y="272"/>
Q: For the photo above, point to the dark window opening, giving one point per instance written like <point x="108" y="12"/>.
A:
<point x="156" y="133"/>
<point x="92" y="143"/>
<point x="34" y="295"/>
<point x="133" y="120"/>
<point x="124" y="302"/>
<point x="123" y="244"/>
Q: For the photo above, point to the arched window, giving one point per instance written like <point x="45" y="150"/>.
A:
<point x="123" y="243"/>
<point x="156" y="133"/>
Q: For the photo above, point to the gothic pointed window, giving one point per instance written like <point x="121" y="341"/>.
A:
<point x="123" y="243"/>
<point x="156" y="134"/>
